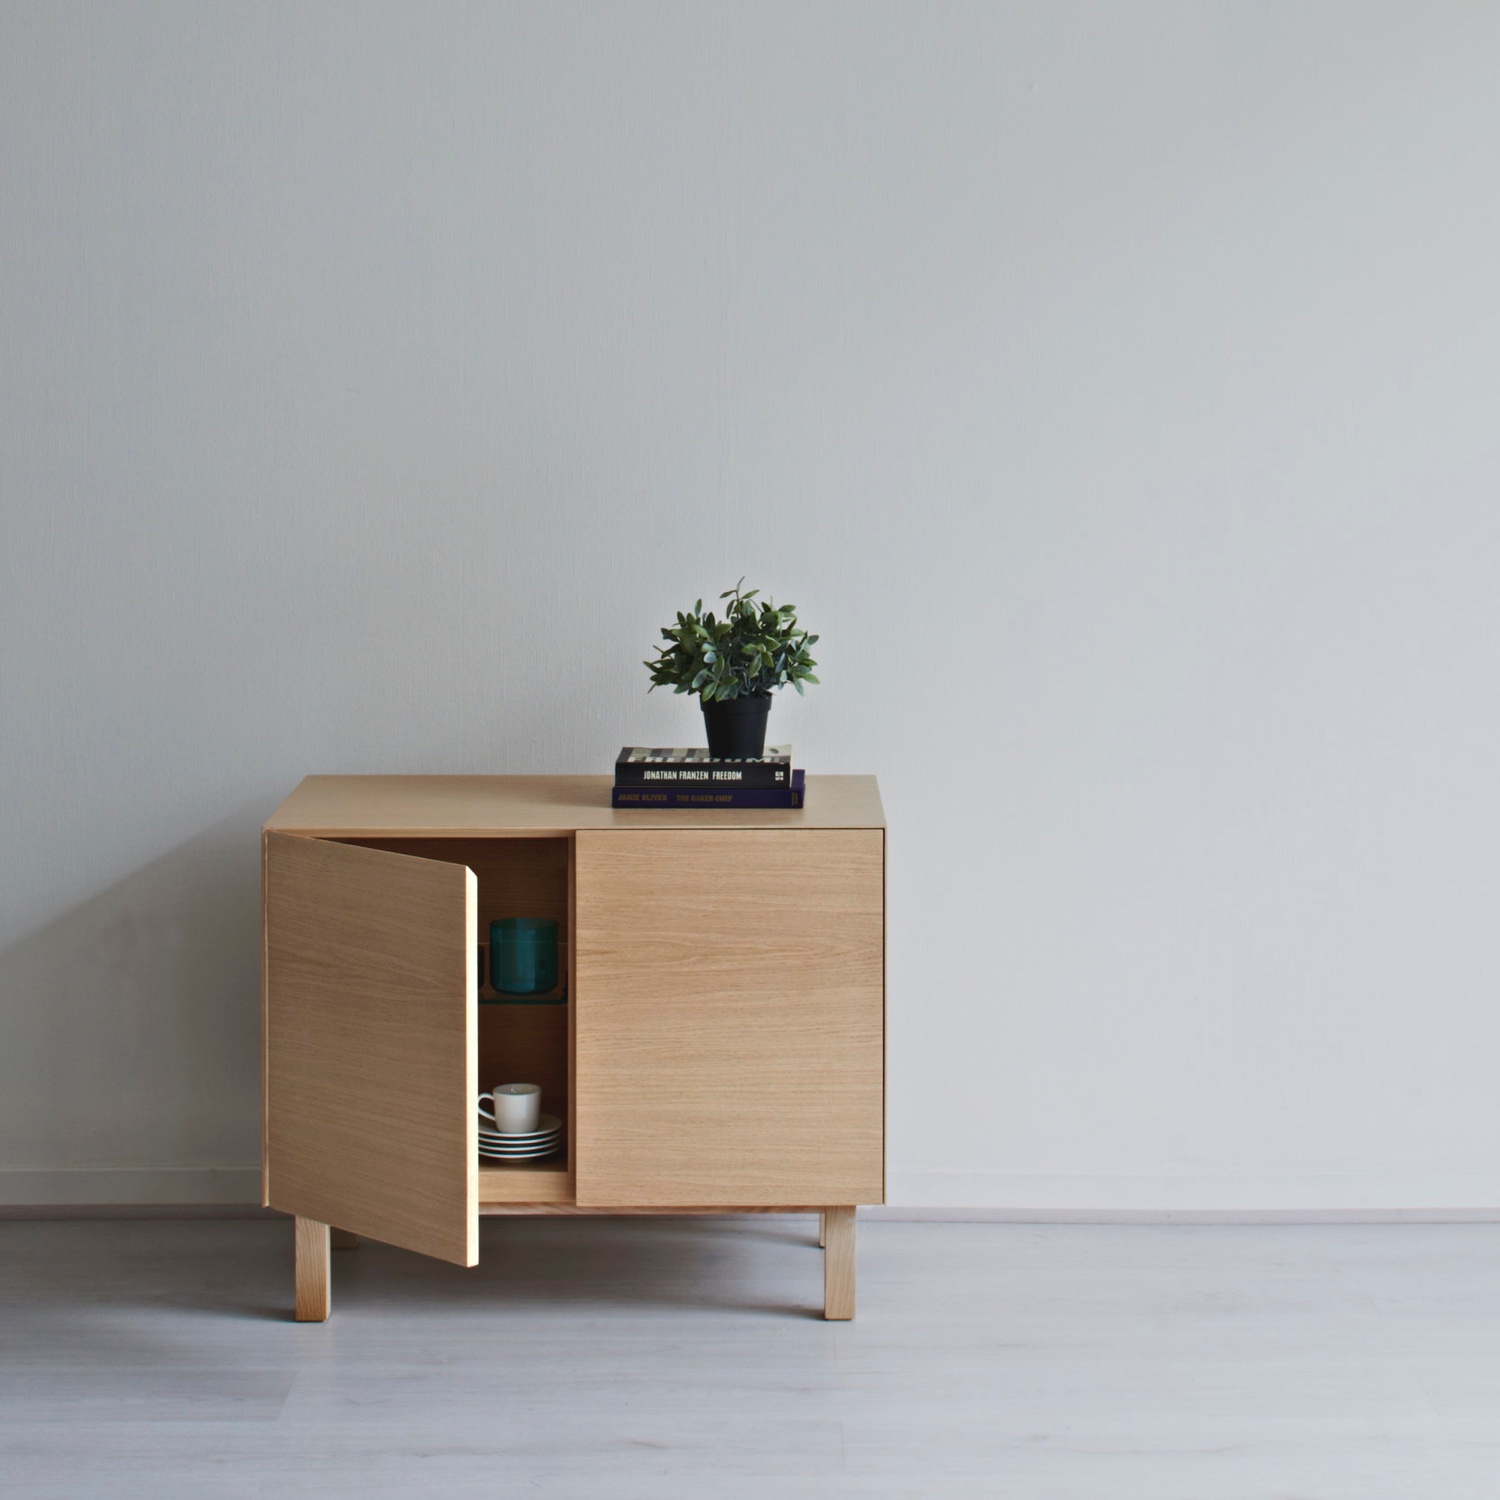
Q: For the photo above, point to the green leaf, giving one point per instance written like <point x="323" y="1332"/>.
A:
<point x="753" y="645"/>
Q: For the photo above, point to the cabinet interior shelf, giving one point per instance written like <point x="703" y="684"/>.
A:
<point x="546" y="1181"/>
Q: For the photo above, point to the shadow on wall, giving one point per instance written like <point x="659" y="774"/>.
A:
<point x="130" y="1027"/>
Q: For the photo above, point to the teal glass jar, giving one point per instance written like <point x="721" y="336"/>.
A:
<point x="523" y="955"/>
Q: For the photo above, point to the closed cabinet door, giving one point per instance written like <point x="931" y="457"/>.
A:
<point x="730" y="997"/>
<point x="370" y="1044"/>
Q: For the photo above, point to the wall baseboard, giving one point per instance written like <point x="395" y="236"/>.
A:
<point x="48" y="1212"/>
<point x="1106" y="1216"/>
<point x="118" y="1187"/>
<point x="1252" y="1197"/>
<point x="937" y="1197"/>
<point x="1097" y="1218"/>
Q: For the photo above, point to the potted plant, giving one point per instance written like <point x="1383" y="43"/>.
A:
<point x="734" y="664"/>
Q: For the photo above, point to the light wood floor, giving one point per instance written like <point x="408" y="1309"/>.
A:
<point x="655" y="1359"/>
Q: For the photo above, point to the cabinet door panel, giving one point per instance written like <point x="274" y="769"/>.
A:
<point x="370" y="1044"/>
<point x="730" y="997"/>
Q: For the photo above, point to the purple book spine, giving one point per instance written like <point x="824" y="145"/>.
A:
<point x="741" y="797"/>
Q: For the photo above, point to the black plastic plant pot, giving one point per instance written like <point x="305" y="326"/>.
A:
<point x="737" y="728"/>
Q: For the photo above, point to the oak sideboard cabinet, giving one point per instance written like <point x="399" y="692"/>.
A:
<point x="715" y="1042"/>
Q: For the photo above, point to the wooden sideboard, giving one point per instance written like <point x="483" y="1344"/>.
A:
<point x="716" y="1042"/>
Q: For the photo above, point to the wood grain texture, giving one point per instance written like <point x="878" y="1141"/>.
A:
<point x="520" y="806"/>
<point x="822" y="1230"/>
<point x="526" y="1044"/>
<point x="838" y="1264"/>
<point x="342" y="1239"/>
<point x="517" y="877"/>
<point x="548" y="1181"/>
<point x="265" y="1010"/>
<point x="669" y="1211"/>
<point x="312" y="1271"/>
<point x="370" y="1044"/>
<point x="728" y="1005"/>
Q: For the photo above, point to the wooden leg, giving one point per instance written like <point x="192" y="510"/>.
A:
<point x="343" y="1239"/>
<point x="312" y="1271"/>
<point x="822" y="1231"/>
<point x="838" y="1263"/>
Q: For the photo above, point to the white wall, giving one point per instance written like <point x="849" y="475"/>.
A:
<point x="1113" y="387"/>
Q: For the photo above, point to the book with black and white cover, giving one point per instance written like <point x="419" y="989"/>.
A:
<point x="742" y="797"/>
<point x="640" y="766"/>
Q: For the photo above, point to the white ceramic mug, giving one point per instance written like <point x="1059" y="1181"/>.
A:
<point x="513" y="1108"/>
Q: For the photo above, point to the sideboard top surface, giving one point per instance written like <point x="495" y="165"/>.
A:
<point x="454" y="806"/>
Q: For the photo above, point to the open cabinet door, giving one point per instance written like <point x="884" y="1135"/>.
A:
<point x="370" y="1010"/>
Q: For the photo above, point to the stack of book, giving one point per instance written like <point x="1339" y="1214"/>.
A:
<point x="693" y="778"/>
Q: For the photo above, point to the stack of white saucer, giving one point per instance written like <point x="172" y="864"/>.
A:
<point x="512" y="1127"/>
<point x="542" y="1141"/>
